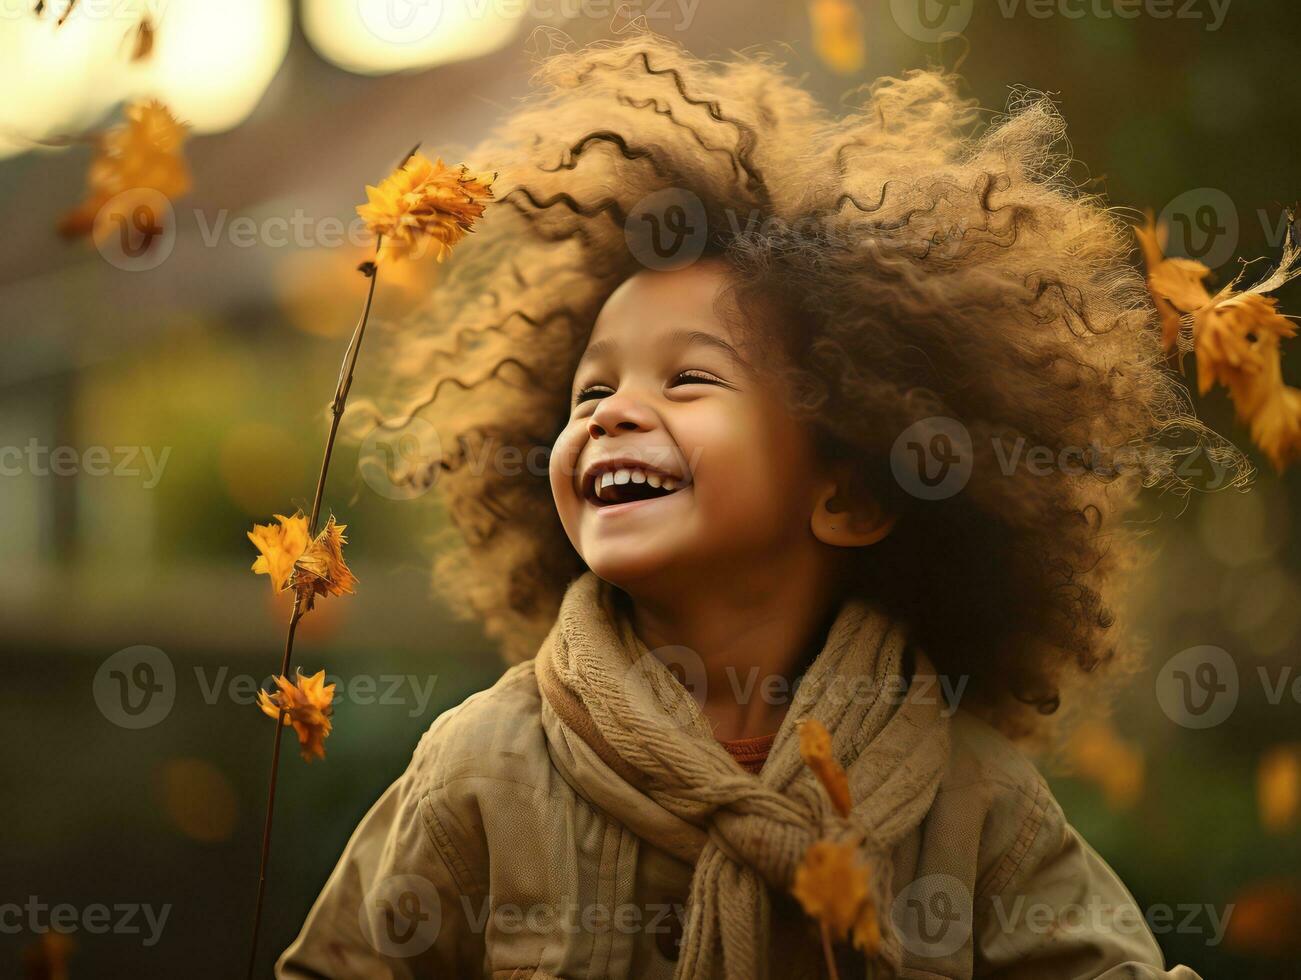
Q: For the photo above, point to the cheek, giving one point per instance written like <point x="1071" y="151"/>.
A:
<point x="561" y="469"/>
<point x="755" y="473"/>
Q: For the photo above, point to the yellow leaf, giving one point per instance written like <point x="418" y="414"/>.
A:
<point x="308" y="705"/>
<point x="838" y="35"/>
<point x="815" y="750"/>
<point x="1175" y="284"/>
<point x="320" y="569"/>
<point x="1236" y="338"/>
<point x="280" y="546"/>
<point x="425" y="202"/>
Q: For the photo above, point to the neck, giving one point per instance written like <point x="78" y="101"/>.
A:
<point x="755" y="634"/>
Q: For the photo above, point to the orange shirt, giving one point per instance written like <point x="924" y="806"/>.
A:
<point x="751" y="753"/>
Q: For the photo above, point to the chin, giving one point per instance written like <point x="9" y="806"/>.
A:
<point x="635" y="571"/>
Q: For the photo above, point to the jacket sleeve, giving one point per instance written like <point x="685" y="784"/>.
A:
<point x="396" y="905"/>
<point x="1064" y="913"/>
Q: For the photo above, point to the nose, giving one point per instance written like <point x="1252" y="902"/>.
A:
<point x="619" y="413"/>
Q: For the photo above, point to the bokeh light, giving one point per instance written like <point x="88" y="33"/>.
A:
<point x="380" y="36"/>
<point x="211" y="62"/>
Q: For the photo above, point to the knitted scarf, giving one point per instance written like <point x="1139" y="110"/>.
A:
<point x="622" y="701"/>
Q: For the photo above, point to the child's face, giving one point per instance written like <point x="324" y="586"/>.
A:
<point x="679" y="463"/>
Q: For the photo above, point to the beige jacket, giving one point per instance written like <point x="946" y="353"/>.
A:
<point x="500" y="854"/>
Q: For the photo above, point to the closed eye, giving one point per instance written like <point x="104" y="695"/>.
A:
<point x="697" y="377"/>
<point x="592" y="391"/>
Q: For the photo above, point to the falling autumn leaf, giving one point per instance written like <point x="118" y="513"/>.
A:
<point x="815" y="750"/>
<point x="320" y="569"/>
<point x="308" y="705"/>
<point x="133" y="164"/>
<point x="838" y="39"/>
<point x="1278" y="788"/>
<point x="833" y="884"/>
<point x="837" y="29"/>
<point x="1175" y="284"/>
<point x="1236" y="336"/>
<point x="425" y="201"/>
<point x="279" y="546"/>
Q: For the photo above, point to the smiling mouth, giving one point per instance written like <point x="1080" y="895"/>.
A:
<point x="629" y="484"/>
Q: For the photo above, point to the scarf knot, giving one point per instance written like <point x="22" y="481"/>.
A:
<point x="620" y="699"/>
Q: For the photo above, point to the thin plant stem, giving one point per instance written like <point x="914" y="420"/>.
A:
<point x="271" y="798"/>
<point x="828" y="952"/>
<point x="336" y="413"/>
<point x="341" y="397"/>
<point x="346" y="371"/>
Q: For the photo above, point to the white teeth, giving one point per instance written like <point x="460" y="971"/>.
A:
<point x="602" y="484"/>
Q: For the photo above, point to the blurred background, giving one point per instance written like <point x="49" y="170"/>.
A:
<point x="153" y="406"/>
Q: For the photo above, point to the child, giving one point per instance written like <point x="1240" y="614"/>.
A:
<point x="791" y="369"/>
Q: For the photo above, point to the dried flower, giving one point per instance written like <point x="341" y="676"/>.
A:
<point x="320" y="569"/>
<point x="834" y="885"/>
<point x="815" y="750"/>
<point x="308" y="705"/>
<point x="280" y="546"/>
<point x="425" y="201"/>
<point x="133" y="164"/>
<point x="832" y="882"/>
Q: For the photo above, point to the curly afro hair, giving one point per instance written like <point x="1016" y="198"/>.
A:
<point x="921" y="265"/>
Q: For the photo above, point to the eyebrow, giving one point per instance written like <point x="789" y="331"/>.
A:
<point x="684" y="338"/>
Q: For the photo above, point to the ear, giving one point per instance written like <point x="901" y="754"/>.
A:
<point x="840" y="527"/>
